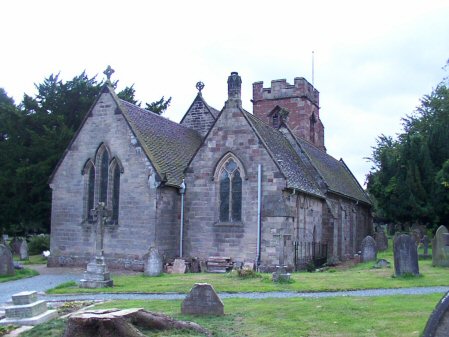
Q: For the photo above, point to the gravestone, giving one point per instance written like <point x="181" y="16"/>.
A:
<point x="202" y="300"/>
<point x="23" y="251"/>
<point x="368" y="249"/>
<point x="425" y="241"/>
<point x="15" y="245"/>
<point x="153" y="263"/>
<point x="6" y="261"/>
<point x="438" y="322"/>
<point x="97" y="273"/>
<point x="382" y="263"/>
<point x="179" y="266"/>
<point x="416" y="236"/>
<point x="440" y="252"/>
<point x="27" y="310"/>
<point x="381" y="240"/>
<point x="405" y="255"/>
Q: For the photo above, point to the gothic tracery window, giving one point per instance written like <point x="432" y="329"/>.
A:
<point x="230" y="192"/>
<point x="102" y="183"/>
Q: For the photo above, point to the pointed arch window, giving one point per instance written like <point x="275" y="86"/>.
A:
<point x="102" y="183"/>
<point x="230" y="196"/>
<point x="104" y="168"/>
<point x="89" y="174"/>
<point x="115" y="188"/>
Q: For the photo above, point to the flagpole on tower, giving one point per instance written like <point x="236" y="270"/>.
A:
<point x="313" y="68"/>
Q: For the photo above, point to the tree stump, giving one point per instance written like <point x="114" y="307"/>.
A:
<point x="123" y="323"/>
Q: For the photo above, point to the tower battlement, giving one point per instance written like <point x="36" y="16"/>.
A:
<point x="301" y="88"/>
<point x="300" y="99"/>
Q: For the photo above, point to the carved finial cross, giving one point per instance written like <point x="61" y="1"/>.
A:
<point x="108" y="72"/>
<point x="200" y="86"/>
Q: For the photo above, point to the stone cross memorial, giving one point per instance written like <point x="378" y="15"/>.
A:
<point x="97" y="273"/>
<point x="6" y="261"/>
<point x="368" y="249"/>
<point x="281" y="272"/>
<point x="405" y="255"/>
<point x="440" y="251"/>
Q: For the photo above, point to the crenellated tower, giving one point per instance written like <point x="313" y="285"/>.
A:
<point x="296" y="105"/>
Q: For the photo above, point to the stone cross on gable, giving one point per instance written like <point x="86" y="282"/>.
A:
<point x="108" y="72"/>
<point x="100" y="215"/>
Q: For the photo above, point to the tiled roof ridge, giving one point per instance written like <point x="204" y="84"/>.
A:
<point x="310" y="181"/>
<point x="155" y="114"/>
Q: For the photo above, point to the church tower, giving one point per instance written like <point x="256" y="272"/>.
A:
<point x="295" y="105"/>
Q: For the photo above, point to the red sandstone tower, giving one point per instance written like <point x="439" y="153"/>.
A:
<point x="296" y="105"/>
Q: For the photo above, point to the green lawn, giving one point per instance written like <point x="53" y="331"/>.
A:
<point x="361" y="276"/>
<point x="20" y="273"/>
<point x="388" y="316"/>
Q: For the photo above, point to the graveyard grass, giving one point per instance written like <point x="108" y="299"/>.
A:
<point x="20" y="273"/>
<point x="361" y="276"/>
<point x="400" y="316"/>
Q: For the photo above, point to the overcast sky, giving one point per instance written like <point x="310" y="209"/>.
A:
<point x="374" y="60"/>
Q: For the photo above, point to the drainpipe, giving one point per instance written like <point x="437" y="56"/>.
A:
<point x="182" y="190"/>
<point x="259" y="207"/>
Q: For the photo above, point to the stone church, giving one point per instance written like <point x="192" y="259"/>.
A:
<point x="228" y="183"/>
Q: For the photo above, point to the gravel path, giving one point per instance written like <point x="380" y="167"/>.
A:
<point x="256" y="295"/>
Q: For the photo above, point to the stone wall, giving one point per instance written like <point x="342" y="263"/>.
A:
<point x="198" y="117"/>
<point x="205" y="234"/>
<point x="72" y="236"/>
<point x="301" y="100"/>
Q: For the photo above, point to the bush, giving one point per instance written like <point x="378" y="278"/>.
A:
<point x="38" y="244"/>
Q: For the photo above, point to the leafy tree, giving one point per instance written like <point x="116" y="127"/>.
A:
<point x="409" y="178"/>
<point x="33" y="136"/>
<point x="159" y="106"/>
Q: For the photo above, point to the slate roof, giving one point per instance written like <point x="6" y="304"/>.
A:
<point x="285" y="156"/>
<point x="335" y="173"/>
<point x="168" y="145"/>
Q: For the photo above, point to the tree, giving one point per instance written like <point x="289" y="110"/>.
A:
<point x="159" y="106"/>
<point x="33" y="136"/>
<point x="408" y="179"/>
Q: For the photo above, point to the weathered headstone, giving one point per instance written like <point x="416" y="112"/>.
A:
<point x="416" y="236"/>
<point x="381" y="240"/>
<point x="405" y="256"/>
<point x="440" y="252"/>
<point x="202" y="300"/>
<point x="23" y="250"/>
<point x="27" y="310"/>
<point x="15" y="245"/>
<point x="6" y="261"/>
<point x="280" y="275"/>
<point x="368" y="249"/>
<point x="425" y="241"/>
<point x="153" y="265"/>
<point x="438" y="322"/>
<point x="382" y="263"/>
<point x="179" y="266"/>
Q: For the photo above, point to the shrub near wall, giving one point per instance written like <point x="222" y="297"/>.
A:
<point x="38" y="243"/>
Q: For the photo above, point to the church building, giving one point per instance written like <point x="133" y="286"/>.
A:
<point x="229" y="183"/>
